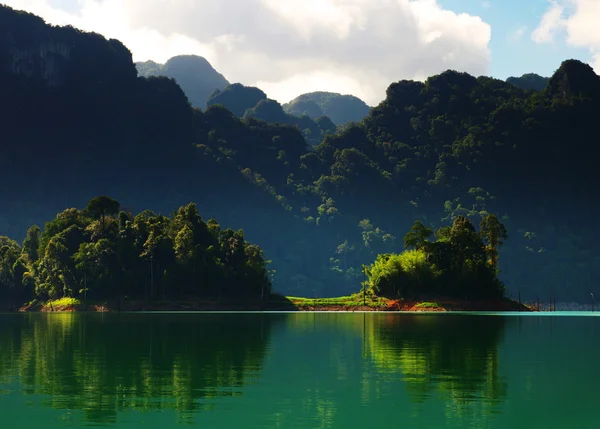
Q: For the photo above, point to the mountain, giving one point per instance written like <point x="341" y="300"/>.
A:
<point x="340" y="108"/>
<point x="237" y="98"/>
<point x="77" y="121"/>
<point x="194" y="74"/>
<point x="250" y="102"/>
<point x="531" y="81"/>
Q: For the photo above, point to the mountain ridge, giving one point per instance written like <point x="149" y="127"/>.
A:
<point x="196" y="76"/>
<point x="454" y="145"/>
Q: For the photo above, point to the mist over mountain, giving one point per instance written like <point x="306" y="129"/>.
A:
<point x="237" y="98"/>
<point x="77" y="122"/>
<point x="251" y="102"/>
<point x="341" y="109"/>
<point x="194" y="74"/>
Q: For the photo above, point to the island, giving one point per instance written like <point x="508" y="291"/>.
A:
<point x="103" y="258"/>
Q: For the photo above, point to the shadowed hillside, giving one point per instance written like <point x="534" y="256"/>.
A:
<point x="194" y="74"/>
<point x="78" y="122"/>
<point x="529" y="81"/>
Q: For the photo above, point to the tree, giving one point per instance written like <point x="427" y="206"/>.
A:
<point x="467" y="243"/>
<point x="493" y="233"/>
<point x="417" y="236"/>
<point x="102" y="206"/>
<point x="31" y="243"/>
<point x="9" y="254"/>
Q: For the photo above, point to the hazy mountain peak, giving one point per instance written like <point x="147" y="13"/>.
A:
<point x="193" y="73"/>
<point x="339" y="108"/>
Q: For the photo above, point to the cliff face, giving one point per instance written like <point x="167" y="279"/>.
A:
<point x="47" y="62"/>
<point x="34" y="54"/>
<point x="75" y="119"/>
<point x="29" y="52"/>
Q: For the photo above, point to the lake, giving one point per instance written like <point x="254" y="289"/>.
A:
<point x="300" y="370"/>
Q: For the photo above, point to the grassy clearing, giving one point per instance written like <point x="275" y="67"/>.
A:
<point x="355" y="300"/>
<point x="428" y="305"/>
<point x="62" y="302"/>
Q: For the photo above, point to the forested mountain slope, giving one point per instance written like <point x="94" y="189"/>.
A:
<point x="340" y="108"/>
<point x="77" y="122"/>
<point x="250" y="102"/>
<point x="531" y="81"/>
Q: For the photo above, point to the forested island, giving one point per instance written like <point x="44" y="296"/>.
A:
<point x="102" y="253"/>
<point x="104" y="258"/>
<point x="320" y="199"/>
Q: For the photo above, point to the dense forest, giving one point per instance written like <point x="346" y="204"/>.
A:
<point x="341" y="109"/>
<point x="532" y="81"/>
<point x="249" y="102"/>
<point x="460" y="262"/>
<point x="77" y="122"/>
<point x="102" y="252"/>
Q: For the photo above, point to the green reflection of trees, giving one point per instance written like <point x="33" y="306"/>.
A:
<point x="456" y="356"/>
<point x="102" y="365"/>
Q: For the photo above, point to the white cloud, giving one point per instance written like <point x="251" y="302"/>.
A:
<point x="578" y="19"/>
<point x="295" y="85"/>
<point x="551" y="22"/>
<point x="517" y="34"/>
<point x="292" y="46"/>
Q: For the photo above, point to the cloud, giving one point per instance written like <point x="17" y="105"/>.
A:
<point x="292" y="46"/>
<point x="315" y="81"/>
<point x="578" y="20"/>
<point x="551" y="22"/>
<point x="517" y="34"/>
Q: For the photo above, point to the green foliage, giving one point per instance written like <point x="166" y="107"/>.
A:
<point x="149" y="255"/>
<point x="493" y="233"/>
<point x="31" y="244"/>
<point x="417" y="236"/>
<point x="530" y="81"/>
<point x="454" y="265"/>
<point x="56" y="304"/>
<point x="237" y="98"/>
<point x="428" y="305"/>
<point x="401" y="275"/>
<point x="342" y="109"/>
<point x="354" y="300"/>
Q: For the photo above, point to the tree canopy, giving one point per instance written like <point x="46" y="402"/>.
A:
<point x="104" y="254"/>
<point x="457" y="264"/>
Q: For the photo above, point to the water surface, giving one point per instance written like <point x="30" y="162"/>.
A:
<point x="300" y="370"/>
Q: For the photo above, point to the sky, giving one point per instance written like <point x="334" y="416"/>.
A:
<point x="359" y="47"/>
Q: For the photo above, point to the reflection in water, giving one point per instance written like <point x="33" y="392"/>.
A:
<point x="455" y="357"/>
<point x="457" y="353"/>
<point x="397" y="364"/>
<point x="298" y="371"/>
<point x="103" y="365"/>
<point x="323" y="370"/>
<point x="401" y="361"/>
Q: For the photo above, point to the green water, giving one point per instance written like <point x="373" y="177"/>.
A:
<point x="299" y="370"/>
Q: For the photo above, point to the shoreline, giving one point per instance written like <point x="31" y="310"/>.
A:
<point x="287" y="304"/>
